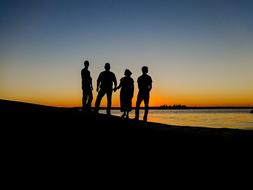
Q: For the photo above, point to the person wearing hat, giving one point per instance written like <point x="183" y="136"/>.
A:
<point x="126" y="93"/>
<point x="145" y="86"/>
<point x="86" y="87"/>
<point x="105" y="82"/>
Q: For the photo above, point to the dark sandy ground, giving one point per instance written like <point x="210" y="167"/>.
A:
<point x="43" y="124"/>
<point x="50" y="143"/>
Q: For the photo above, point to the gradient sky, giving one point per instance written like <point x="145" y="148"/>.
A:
<point x="199" y="52"/>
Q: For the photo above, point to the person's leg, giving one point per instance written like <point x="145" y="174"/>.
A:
<point x="124" y="114"/>
<point x="122" y="107"/>
<point x="129" y="107"/>
<point x="109" y="101"/>
<point x="84" y="99"/>
<point x="146" y="104"/>
<point x="127" y="114"/>
<point x="100" y="95"/>
<point x="89" y="100"/>
<point x="137" y="108"/>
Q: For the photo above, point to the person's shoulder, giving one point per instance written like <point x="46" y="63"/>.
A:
<point x="102" y="73"/>
<point x="149" y="77"/>
<point x="112" y="73"/>
<point x="83" y="72"/>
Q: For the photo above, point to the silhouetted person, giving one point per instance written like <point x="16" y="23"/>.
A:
<point x="104" y="86"/>
<point x="144" y="85"/>
<point x="87" y="87"/>
<point x="126" y="93"/>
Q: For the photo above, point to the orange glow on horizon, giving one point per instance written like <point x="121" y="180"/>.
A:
<point x="155" y="100"/>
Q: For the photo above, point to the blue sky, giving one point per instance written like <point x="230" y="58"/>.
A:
<point x="198" y="52"/>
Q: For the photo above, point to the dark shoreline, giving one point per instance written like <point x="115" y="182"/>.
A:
<point x="46" y="119"/>
<point x="45" y="137"/>
<point x="11" y="102"/>
<point x="187" y="108"/>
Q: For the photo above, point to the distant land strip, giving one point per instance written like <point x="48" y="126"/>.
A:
<point x="177" y="108"/>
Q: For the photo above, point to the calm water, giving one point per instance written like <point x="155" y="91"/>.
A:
<point x="214" y="118"/>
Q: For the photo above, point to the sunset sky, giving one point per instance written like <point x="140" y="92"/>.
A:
<point x="199" y="52"/>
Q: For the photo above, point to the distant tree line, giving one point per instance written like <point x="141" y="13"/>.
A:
<point x="175" y="106"/>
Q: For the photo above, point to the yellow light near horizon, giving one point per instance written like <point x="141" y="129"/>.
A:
<point x="157" y="98"/>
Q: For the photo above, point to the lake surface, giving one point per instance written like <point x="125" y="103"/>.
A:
<point x="214" y="118"/>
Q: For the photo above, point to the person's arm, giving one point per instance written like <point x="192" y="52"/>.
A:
<point x="98" y="82"/>
<point x="90" y="81"/>
<point x="138" y="82"/>
<point x="82" y="74"/>
<point x="114" y="81"/>
<point x="132" y="89"/>
<point x="116" y="88"/>
<point x="91" y="86"/>
<point x="150" y="85"/>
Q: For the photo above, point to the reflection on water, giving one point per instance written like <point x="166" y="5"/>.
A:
<point x="214" y="118"/>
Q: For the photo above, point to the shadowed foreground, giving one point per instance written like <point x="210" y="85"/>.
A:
<point x="42" y="125"/>
<point x="49" y="141"/>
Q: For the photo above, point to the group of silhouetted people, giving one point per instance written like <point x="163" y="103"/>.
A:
<point x="107" y="83"/>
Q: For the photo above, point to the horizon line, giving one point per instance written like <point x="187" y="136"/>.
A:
<point x="175" y="106"/>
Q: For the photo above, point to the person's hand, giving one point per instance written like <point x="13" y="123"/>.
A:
<point x="115" y="89"/>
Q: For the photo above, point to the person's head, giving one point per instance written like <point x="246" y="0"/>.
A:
<point x="86" y="63"/>
<point x="107" y="66"/>
<point x="144" y="69"/>
<point x="128" y="73"/>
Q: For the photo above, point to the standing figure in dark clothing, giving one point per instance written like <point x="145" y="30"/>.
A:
<point x="87" y="87"/>
<point x="126" y="93"/>
<point x="144" y="85"/>
<point x="104" y="86"/>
